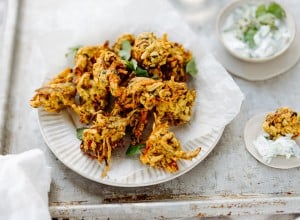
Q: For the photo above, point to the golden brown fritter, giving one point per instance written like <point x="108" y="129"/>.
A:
<point x="163" y="149"/>
<point x="284" y="121"/>
<point x="108" y="60"/>
<point x="85" y="58"/>
<point x="56" y="94"/>
<point x="92" y="97"/>
<point x="175" y="103"/>
<point x="162" y="58"/>
<point x="103" y="136"/>
<point x="172" y="101"/>
<point x="141" y="92"/>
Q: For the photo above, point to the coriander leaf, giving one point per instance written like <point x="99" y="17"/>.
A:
<point x="249" y="36"/>
<point x="131" y="65"/>
<point x="261" y="10"/>
<point x="125" y="52"/>
<point x="79" y="132"/>
<point x="134" y="149"/>
<point x="276" y="10"/>
<point x="134" y="63"/>
<point x="72" y="50"/>
<point x="191" y="67"/>
<point x="141" y="72"/>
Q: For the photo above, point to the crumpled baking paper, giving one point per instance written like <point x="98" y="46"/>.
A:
<point x="218" y="97"/>
<point x="25" y="182"/>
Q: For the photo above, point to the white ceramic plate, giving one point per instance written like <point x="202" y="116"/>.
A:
<point x="59" y="132"/>
<point x="252" y="130"/>
<point x="218" y="98"/>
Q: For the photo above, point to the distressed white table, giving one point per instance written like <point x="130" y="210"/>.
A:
<point x="229" y="182"/>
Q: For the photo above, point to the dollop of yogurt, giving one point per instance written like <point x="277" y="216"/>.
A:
<point x="283" y="146"/>
<point x="267" y="40"/>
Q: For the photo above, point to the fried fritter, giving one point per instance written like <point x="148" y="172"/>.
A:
<point x="282" y="122"/>
<point x="103" y="136"/>
<point x="175" y="103"/>
<point x="163" y="149"/>
<point x="56" y="94"/>
<point x="85" y="58"/>
<point x="162" y="58"/>
<point x="172" y="101"/>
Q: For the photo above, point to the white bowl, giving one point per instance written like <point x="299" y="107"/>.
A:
<point x="228" y="9"/>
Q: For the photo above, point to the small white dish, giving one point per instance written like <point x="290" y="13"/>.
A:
<point x="252" y="130"/>
<point x="227" y="10"/>
<point x="258" y="71"/>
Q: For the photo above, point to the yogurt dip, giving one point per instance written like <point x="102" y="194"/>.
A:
<point x="283" y="146"/>
<point x="256" y="31"/>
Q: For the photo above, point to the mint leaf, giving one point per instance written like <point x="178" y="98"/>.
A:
<point x="134" y="149"/>
<point x="273" y="8"/>
<point x="141" y="72"/>
<point x="261" y="10"/>
<point x="249" y="36"/>
<point x="191" y="67"/>
<point x="134" y="63"/>
<point x="267" y="19"/>
<point x="131" y="65"/>
<point x="79" y="132"/>
<point x="276" y="10"/>
<point x="125" y="52"/>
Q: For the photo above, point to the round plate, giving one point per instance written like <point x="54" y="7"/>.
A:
<point x="59" y="132"/>
<point x="252" y="130"/>
<point x="259" y="71"/>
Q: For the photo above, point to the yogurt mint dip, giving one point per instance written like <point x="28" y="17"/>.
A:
<point x="256" y="30"/>
<point x="283" y="146"/>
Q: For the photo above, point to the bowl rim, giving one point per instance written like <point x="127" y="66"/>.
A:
<point x="233" y="5"/>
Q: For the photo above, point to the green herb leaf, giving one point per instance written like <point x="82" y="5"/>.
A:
<point x="191" y="67"/>
<point x="134" y="149"/>
<point x="249" y="36"/>
<point x="141" y="72"/>
<point x="72" y="50"/>
<point x="261" y="10"/>
<point x="273" y="8"/>
<point x="131" y="65"/>
<point x="276" y="10"/>
<point x="134" y="63"/>
<point x="125" y="52"/>
<point x="79" y="132"/>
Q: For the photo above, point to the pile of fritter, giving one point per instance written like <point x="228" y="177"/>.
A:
<point x="118" y="90"/>
<point x="284" y="121"/>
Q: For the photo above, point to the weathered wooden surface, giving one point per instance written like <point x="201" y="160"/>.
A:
<point x="229" y="175"/>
